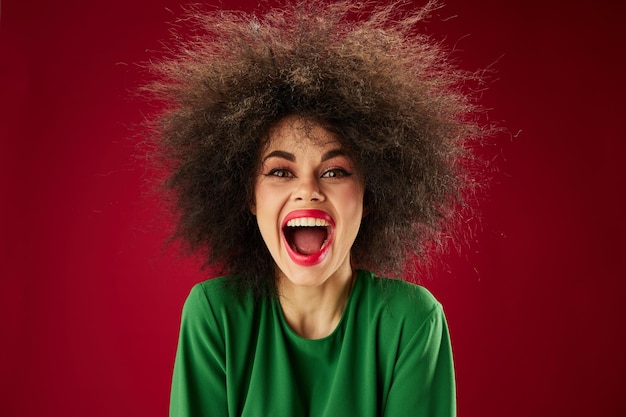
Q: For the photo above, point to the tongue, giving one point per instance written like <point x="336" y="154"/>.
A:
<point x="308" y="240"/>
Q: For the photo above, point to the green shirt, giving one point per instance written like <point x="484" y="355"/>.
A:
<point x="390" y="355"/>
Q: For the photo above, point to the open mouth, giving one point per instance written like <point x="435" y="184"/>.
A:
<point x="307" y="234"/>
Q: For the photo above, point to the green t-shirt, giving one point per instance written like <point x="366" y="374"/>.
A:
<point x="390" y="355"/>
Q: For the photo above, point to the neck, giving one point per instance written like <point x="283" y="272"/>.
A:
<point x="315" y="312"/>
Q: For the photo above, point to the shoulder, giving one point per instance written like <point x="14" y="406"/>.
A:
<point x="398" y="310"/>
<point x="406" y="317"/>
<point x="214" y="288"/>
<point x="219" y="290"/>
<point x="215" y="298"/>
<point x="398" y="297"/>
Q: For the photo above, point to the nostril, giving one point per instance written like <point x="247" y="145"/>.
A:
<point x="310" y="194"/>
<point x="315" y="196"/>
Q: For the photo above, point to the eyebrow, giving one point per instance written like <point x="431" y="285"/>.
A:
<point x="280" y="154"/>
<point x="333" y="153"/>
<point x="292" y="158"/>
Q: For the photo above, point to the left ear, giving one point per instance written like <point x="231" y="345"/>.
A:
<point x="252" y="208"/>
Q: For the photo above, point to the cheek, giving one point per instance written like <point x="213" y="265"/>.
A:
<point x="266" y="209"/>
<point x="349" y="201"/>
<point x="353" y="197"/>
<point x="261" y="197"/>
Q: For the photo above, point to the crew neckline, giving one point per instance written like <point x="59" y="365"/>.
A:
<point x="295" y="336"/>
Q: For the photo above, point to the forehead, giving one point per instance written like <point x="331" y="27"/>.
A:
<point x="299" y="134"/>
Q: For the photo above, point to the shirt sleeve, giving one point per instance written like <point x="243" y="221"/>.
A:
<point x="199" y="378"/>
<point x="423" y="382"/>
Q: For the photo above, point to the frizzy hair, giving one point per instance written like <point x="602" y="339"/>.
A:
<point x="388" y="92"/>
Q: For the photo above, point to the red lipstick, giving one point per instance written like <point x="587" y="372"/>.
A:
<point x="302" y="218"/>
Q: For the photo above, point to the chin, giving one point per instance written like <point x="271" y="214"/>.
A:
<point x="315" y="275"/>
<point x="305" y="276"/>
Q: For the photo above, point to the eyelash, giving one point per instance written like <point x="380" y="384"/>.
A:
<point x="286" y="173"/>
<point x="337" y="173"/>
<point x="280" y="173"/>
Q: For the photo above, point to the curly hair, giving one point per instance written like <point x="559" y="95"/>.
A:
<point x="390" y="94"/>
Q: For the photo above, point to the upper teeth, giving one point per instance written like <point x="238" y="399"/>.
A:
<point x="307" y="222"/>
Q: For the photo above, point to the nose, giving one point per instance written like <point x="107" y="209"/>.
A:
<point x="308" y="189"/>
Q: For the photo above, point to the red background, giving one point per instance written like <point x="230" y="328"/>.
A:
<point x="90" y="298"/>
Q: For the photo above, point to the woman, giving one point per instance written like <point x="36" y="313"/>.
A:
<point x="305" y="149"/>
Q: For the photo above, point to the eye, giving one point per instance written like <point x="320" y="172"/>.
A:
<point x="336" y="173"/>
<point x="280" y="173"/>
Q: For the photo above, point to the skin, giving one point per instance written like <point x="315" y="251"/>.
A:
<point x="305" y="173"/>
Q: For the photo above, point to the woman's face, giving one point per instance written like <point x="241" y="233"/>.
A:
<point x="308" y="202"/>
